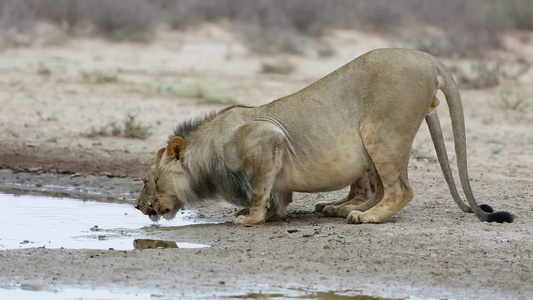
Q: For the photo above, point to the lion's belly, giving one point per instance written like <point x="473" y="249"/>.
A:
<point x="337" y="167"/>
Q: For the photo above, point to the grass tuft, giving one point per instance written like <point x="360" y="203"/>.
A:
<point x="134" y="129"/>
<point x="130" y="128"/>
<point x="198" y="90"/>
<point x="282" y="67"/>
<point x="102" y="77"/>
<point x="509" y="100"/>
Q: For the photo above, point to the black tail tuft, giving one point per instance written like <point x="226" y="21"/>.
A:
<point x="500" y="217"/>
<point x="486" y="208"/>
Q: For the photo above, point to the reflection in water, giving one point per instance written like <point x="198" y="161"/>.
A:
<point x="159" y="244"/>
<point x="47" y="222"/>
<point x="153" y="244"/>
<point x="314" y="295"/>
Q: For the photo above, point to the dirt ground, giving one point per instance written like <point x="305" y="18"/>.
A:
<point x="55" y="99"/>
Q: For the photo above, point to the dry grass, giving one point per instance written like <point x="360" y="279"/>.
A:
<point x="512" y="101"/>
<point x="100" y="77"/>
<point x="282" y="66"/>
<point x="480" y="76"/>
<point x="130" y="128"/>
<point x="198" y="89"/>
<point x="134" y="129"/>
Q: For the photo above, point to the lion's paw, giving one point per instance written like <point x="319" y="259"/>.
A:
<point x="340" y="211"/>
<point x="319" y="207"/>
<point x="246" y="221"/>
<point x="243" y="212"/>
<point x="359" y="217"/>
<point x="329" y="211"/>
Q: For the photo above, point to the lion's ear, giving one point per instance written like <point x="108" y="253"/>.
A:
<point x="175" y="147"/>
<point x="159" y="155"/>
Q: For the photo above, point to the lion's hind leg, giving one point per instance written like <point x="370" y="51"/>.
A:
<point x="361" y="191"/>
<point x="342" y="210"/>
<point x="276" y="207"/>
<point x="392" y="171"/>
<point x="320" y="206"/>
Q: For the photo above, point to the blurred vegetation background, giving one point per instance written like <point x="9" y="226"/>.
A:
<point x="455" y="28"/>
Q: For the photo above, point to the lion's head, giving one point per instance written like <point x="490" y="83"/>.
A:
<point x="183" y="176"/>
<point x="166" y="185"/>
<point x="144" y="199"/>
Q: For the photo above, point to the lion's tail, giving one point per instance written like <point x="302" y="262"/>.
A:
<point x="432" y="119"/>
<point x="449" y="88"/>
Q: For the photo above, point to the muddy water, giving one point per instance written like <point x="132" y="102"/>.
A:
<point x="33" y="221"/>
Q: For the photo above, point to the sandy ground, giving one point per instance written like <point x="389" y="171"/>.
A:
<point x="52" y="99"/>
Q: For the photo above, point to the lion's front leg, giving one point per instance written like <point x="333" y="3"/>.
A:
<point x="256" y="216"/>
<point x="258" y="212"/>
<point x="262" y="158"/>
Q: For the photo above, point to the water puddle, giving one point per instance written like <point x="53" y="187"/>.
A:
<point x="73" y="294"/>
<point x="314" y="295"/>
<point x="34" y="221"/>
<point x="30" y="293"/>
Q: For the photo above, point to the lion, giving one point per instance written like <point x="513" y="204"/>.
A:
<point x="354" y="127"/>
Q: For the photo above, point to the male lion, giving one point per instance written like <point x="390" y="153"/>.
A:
<point x="354" y="127"/>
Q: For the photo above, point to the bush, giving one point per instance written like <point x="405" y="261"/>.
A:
<point x="180" y="14"/>
<point x="66" y="12"/>
<point x="121" y="20"/>
<point x="442" y="27"/>
<point x="17" y="15"/>
<point x="466" y="28"/>
<point x="514" y="14"/>
<point x="115" y="19"/>
<point x="281" y="26"/>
